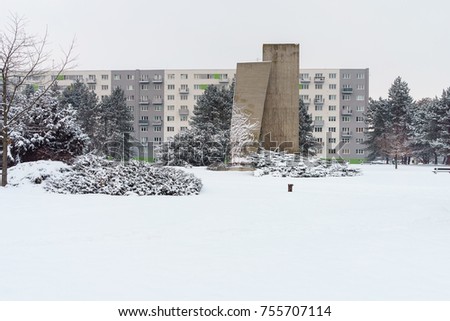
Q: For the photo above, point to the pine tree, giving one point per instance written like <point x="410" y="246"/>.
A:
<point x="444" y="124"/>
<point x="378" y="121"/>
<point x="113" y="123"/>
<point x="84" y="102"/>
<point x="307" y="142"/>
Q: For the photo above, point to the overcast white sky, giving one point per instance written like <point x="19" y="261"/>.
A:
<point x="391" y="37"/>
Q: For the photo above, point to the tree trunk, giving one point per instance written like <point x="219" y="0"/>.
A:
<point x="435" y="159"/>
<point x="395" y="160"/>
<point x="5" y="159"/>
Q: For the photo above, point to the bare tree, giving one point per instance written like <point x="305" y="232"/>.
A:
<point x="23" y="57"/>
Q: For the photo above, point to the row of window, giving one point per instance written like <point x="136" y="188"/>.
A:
<point x="344" y="129"/>
<point x="344" y="140"/>
<point x="332" y="86"/>
<point x="319" y="98"/>
<point x="332" y="76"/>
<point x="159" y="128"/>
<point x="344" y="118"/>
<point x="345" y="151"/>
<point x="142" y="77"/>
<point x="169" y="118"/>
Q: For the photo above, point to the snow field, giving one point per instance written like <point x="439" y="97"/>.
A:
<point x="380" y="236"/>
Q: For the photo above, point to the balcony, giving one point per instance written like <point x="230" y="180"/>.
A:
<point x="157" y="80"/>
<point x="184" y="91"/>
<point x="157" y="101"/>
<point x="319" y="123"/>
<point x="346" y="134"/>
<point x="347" y="91"/>
<point x="183" y="112"/>
<point x="91" y="81"/>
<point x="319" y="101"/>
<point x="156" y="122"/>
<point x="144" y="102"/>
<point x="143" y="122"/>
<point x="305" y="80"/>
<point x="224" y="81"/>
<point x="347" y="112"/>
<point x="319" y="80"/>
<point x="144" y="81"/>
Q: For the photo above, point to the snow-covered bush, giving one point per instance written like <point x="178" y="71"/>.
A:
<point x="293" y="165"/>
<point x="95" y="175"/>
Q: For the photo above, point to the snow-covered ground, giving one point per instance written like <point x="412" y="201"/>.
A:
<point x="384" y="235"/>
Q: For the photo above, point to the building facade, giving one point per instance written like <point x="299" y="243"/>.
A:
<point x="162" y="101"/>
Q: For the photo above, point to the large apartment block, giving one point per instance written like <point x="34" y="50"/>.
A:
<point x="162" y="102"/>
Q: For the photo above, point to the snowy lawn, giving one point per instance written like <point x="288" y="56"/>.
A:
<point x="384" y="235"/>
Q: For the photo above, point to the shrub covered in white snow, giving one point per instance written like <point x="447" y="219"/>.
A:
<point x="292" y="165"/>
<point x="94" y="175"/>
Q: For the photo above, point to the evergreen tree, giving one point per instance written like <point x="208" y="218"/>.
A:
<point x="443" y="112"/>
<point x="378" y="120"/>
<point x="307" y="142"/>
<point x="113" y="124"/>
<point x="47" y="131"/>
<point x="84" y="102"/>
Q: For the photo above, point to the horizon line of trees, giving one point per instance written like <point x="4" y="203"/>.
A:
<point x="400" y="128"/>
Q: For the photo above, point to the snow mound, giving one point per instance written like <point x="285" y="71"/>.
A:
<point x="94" y="175"/>
<point x="291" y="165"/>
<point x="36" y="172"/>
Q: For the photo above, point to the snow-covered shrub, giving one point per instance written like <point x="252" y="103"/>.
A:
<point x="95" y="175"/>
<point x="293" y="165"/>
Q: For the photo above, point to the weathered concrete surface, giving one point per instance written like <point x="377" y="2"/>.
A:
<point x="250" y="91"/>
<point x="281" y="117"/>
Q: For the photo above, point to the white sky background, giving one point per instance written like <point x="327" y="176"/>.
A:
<point x="391" y="37"/>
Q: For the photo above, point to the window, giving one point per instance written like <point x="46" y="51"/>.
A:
<point x="304" y="76"/>
<point x="359" y="119"/>
<point x="346" y="97"/>
<point x="317" y="129"/>
<point x="332" y="129"/>
<point x="170" y="118"/>
<point x="157" y="108"/>
<point x="345" y="151"/>
<point x="360" y="76"/>
<point x="332" y="118"/>
<point x="332" y="140"/>
<point x="144" y="118"/>
<point x="144" y="140"/>
<point x="183" y="117"/>
<point x="360" y="97"/>
<point x="360" y="140"/>
<point x="318" y="86"/>
<point x="360" y="129"/>
<point x="157" y="118"/>
<point x="346" y="76"/>
<point x="196" y="97"/>
<point x="304" y="86"/>
<point x="143" y="98"/>
<point x="170" y="87"/>
<point x="157" y="87"/>
<point x="184" y="97"/>
<point x="131" y="108"/>
<point x="360" y="86"/>
<point x="346" y="119"/>
<point x="92" y="87"/>
<point x="130" y="98"/>
<point x="332" y="86"/>
<point x="360" y="151"/>
<point x="184" y="76"/>
<point x="360" y="108"/>
<point x="332" y="76"/>
<point x="105" y="87"/>
<point x="130" y="87"/>
<point x="144" y="128"/>
<point x="170" y="107"/>
<point x="170" y="129"/>
<point x="346" y="129"/>
<point x="130" y="77"/>
<point x="170" y="97"/>
<point x="157" y="140"/>
<point x="171" y="76"/>
<point x="332" y="151"/>
<point x="331" y="107"/>
<point x="332" y="97"/>
<point x="318" y="108"/>
<point x="346" y="140"/>
<point x="318" y="118"/>
<point x="156" y="128"/>
<point x="144" y="108"/>
<point x="105" y="77"/>
<point x="183" y="128"/>
<point x="145" y="87"/>
<point x="319" y="140"/>
<point x="144" y="78"/>
<point x="117" y="77"/>
<point x="184" y="107"/>
<point x="304" y="97"/>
